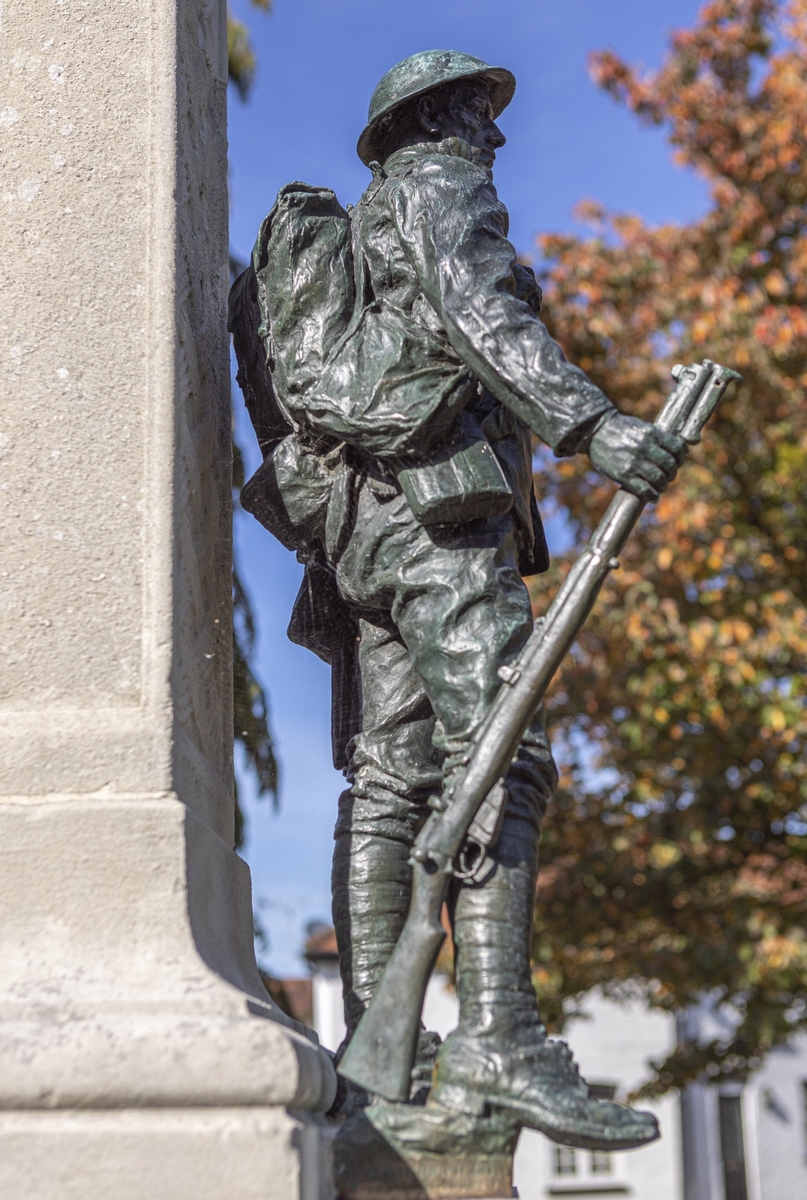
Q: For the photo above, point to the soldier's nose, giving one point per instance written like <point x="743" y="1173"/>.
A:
<point x="495" y="137"/>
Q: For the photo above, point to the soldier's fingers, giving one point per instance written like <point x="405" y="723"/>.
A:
<point x="672" y="443"/>
<point x="655" y="476"/>
<point x="661" y="457"/>
<point x="641" y="488"/>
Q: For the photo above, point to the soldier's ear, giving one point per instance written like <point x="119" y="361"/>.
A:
<point x="426" y="111"/>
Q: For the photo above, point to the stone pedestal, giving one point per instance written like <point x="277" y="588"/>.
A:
<point x="140" y="1056"/>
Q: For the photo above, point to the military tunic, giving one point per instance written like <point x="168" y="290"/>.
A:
<point x="443" y="296"/>
<point x="439" y="609"/>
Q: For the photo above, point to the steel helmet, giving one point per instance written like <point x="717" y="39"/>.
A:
<point x="420" y="73"/>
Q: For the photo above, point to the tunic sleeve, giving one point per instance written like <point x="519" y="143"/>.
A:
<point x="454" y="229"/>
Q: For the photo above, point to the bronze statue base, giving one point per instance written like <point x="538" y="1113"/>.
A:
<point x="409" y="1152"/>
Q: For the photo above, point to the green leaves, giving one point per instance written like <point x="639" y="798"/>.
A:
<point x="240" y="53"/>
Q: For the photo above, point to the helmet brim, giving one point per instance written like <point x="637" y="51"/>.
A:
<point x="501" y="85"/>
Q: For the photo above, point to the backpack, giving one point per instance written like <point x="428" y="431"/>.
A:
<point x="286" y="312"/>
<point x="340" y="367"/>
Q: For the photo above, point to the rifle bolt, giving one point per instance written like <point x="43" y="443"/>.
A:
<point x="509" y="674"/>
<point x="613" y="563"/>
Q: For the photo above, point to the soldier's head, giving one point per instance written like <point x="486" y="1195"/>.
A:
<point x="436" y="95"/>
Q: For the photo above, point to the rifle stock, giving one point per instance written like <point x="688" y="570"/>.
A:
<point x="381" y="1053"/>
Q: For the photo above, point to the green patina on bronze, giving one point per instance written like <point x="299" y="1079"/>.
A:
<point x="395" y="368"/>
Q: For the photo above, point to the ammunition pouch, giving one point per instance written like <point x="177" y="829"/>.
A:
<point x="461" y="482"/>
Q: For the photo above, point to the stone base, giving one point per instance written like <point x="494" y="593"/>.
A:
<point x="140" y="1056"/>
<point x="162" y="1154"/>
<point x="402" y="1152"/>
<point x="127" y="970"/>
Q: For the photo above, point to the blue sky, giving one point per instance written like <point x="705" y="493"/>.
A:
<point x="319" y="61"/>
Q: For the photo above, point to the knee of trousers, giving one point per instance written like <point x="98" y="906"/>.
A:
<point x="374" y="810"/>
<point x="371" y="877"/>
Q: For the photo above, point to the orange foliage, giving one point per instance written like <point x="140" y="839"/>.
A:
<point x="677" y="848"/>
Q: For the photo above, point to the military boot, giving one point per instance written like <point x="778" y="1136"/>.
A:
<point x="371" y="883"/>
<point x="499" y="1058"/>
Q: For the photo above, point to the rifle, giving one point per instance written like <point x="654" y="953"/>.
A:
<point x="463" y="824"/>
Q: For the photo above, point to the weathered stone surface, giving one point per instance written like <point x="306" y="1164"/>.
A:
<point x="116" y="401"/>
<point x="128" y="986"/>
<point x="127" y="968"/>
<point x="159" y="1154"/>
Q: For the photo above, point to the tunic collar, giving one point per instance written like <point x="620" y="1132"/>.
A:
<point x="453" y="147"/>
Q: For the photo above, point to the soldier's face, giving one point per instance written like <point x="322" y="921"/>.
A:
<point x="469" y="116"/>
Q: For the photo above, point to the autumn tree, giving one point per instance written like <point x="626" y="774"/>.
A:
<point x="675" y="857"/>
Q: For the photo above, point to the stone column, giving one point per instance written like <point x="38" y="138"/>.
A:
<point x="140" y="1057"/>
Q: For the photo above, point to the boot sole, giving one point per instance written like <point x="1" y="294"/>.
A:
<point x="461" y="1099"/>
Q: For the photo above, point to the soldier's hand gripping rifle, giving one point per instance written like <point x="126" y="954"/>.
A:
<point x="455" y="836"/>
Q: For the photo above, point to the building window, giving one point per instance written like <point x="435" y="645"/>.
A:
<point x="732" y="1147"/>
<point x="602" y="1091"/>
<point x="600" y="1162"/>
<point x="565" y="1161"/>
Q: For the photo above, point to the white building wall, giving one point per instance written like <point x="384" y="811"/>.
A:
<point x="326" y="995"/>
<point x="775" y="1120"/>
<point x="441" y="1009"/>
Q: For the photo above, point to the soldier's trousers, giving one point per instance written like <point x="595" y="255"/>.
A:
<point x="439" y="612"/>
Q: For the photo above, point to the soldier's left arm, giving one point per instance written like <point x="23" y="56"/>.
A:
<point x="454" y="229"/>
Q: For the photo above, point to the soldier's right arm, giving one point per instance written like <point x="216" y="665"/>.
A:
<point x="454" y="230"/>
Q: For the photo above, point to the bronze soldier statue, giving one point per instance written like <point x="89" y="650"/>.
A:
<point x="395" y="367"/>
